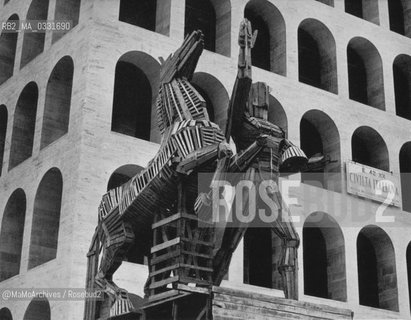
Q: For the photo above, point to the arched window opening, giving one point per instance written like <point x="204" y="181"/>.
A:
<point x="8" y="44"/>
<point x="262" y="248"/>
<point x="46" y="219"/>
<point x="38" y="309"/>
<point x="310" y="138"/>
<point x="327" y="2"/>
<point x="315" y="263"/>
<point x="354" y="7"/>
<point x="406" y="11"/>
<point x="277" y="115"/>
<point x="409" y="272"/>
<point x="309" y="59"/>
<point x="402" y="85"/>
<point x="5" y="314"/>
<point x="33" y="42"/>
<point x="3" y="131"/>
<point x="213" y="18"/>
<point x="135" y="79"/>
<point x="400" y="17"/>
<point x="215" y="95"/>
<point x="23" y="125"/>
<point x="58" y="101"/>
<point x="317" y="56"/>
<point x="122" y="175"/>
<point x="405" y="170"/>
<point x="132" y="102"/>
<point x="140" y="13"/>
<point x="11" y="235"/>
<point x="269" y="52"/>
<point x="365" y="73"/>
<point x="364" y="9"/>
<point x="369" y="283"/>
<point x="324" y="258"/>
<point x="320" y="140"/>
<point x="200" y="15"/>
<point x="66" y="10"/>
<point x="369" y="148"/>
<point x="396" y="13"/>
<point x="377" y="276"/>
<point x="357" y="77"/>
<point x="152" y="15"/>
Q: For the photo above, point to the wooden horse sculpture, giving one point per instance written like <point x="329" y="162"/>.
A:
<point x="191" y="143"/>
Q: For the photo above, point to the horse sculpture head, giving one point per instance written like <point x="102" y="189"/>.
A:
<point x="183" y="62"/>
<point x="178" y="100"/>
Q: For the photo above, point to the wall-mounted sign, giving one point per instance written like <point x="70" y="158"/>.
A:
<point x="372" y="183"/>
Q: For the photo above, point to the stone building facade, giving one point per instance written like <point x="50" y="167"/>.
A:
<point x="76" y="119"/>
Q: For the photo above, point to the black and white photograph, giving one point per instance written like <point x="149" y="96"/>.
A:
<point x="205" y="159"/>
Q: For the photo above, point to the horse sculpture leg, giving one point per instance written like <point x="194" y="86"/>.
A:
<point x="115" y="247"/>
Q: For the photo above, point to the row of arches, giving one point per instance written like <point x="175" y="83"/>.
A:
<point x="320" y="136"/>
<point x="316" y="48"/>
<point x="44" y="229"/>
<point x="324" y="262"/>
<point x="318" y="68"/>
<point x="33" y="42"/>
<point x="55" y="119"/>
<point x="318" y="64"/>
<point x="132" y="115"/>
<point x="317" y="58"/>
<point x="214" y="17"/>
<point x="135" y="81"/>
<point x="38" y="309"/>
<point x="398" y="12"/>
<point x="323" y="256"/>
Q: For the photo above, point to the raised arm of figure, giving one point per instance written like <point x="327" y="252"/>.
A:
<point x="239" y="96"/>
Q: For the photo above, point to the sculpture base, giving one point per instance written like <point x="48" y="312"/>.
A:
<point x="232" y="304"/>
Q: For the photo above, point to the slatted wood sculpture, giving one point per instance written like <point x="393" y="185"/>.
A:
<point x="165" y="188"/>
<point x="263" y="152"/>
<point x="160" y="207"/>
